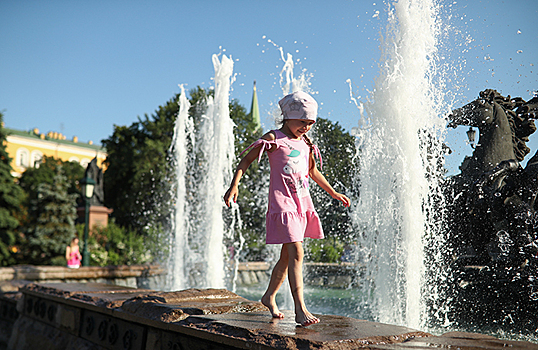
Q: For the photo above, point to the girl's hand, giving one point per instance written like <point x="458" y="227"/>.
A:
<point x="231" y="194"/>
<point x="342" y="198"/>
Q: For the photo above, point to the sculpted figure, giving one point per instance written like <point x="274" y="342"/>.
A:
<point x="95" y="173"/>
<point x="492" y="202"/>
<point x="504" y="129"/>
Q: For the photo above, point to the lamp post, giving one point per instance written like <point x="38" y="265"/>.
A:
<point x="87" y="184"/>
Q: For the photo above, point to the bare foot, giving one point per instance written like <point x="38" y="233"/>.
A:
<point x="270" y="303"/>
<point x="305" y="318"/>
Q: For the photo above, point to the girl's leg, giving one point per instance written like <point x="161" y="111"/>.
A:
<point x="295" y="271"/>
<point x="277" y="278"/>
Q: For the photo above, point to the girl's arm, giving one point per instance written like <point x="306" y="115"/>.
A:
<point x="242" y="167"/>
<point x="67" y="252"/>
<point x="323" y="183"/>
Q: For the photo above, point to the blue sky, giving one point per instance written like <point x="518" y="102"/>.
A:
<point x="80" y="67"/>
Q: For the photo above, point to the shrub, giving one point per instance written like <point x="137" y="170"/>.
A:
<point x="115" y="245"/>
<point x="322" y="251"/>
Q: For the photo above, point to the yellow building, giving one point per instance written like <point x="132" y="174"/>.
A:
<point x="27" y="149"/>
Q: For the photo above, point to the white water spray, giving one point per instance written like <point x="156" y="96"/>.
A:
<point x="198" y="254"/>
<point x="218" y="145"/>
<point x="183" y="132"/>
<point x="400" y="153"/>
<point x="288" y="82"/>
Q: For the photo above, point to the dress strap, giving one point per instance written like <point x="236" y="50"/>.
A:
<point x="266" y="145"/>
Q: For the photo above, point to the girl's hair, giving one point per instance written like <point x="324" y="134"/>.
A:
<point x="310" y="145"/>
<point x="308" y="142"/>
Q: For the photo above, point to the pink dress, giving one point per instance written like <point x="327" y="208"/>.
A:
<point x="290" y="215"/>
<point x="74" y="259"/>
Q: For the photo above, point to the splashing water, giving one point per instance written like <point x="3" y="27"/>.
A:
<point x="288" y="82"/>
<point x="218" y="144"/>
<point x="198" y="253"/>
<point x="183" y="132"/>
<point x="401" y="159"/>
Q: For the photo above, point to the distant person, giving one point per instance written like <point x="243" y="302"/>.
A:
<point x="291" y="215"/>
<point x="72" y="254"/>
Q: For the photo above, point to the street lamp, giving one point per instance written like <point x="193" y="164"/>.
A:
<point x="471" y="133"/>
<point x="87" y="184"/>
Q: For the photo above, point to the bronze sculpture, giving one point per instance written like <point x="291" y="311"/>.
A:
<point x="492" y="215"/>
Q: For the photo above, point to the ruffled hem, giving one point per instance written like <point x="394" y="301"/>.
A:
<point x="288" y="227"/>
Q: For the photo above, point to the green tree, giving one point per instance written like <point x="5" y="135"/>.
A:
<point x="136" y="179"/>
<point x="11" y="197"/>
<point x="339" y="166"/>
<point x="252" y="197"/>
<point x="52" y="222"/>
<point x="139" y="177"/>
<point x="45" y="173"/>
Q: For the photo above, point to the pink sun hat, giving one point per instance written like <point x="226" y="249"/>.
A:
<point x="299" y="105"/>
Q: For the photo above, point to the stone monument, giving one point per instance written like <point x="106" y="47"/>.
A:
<point x="98" y="212"/>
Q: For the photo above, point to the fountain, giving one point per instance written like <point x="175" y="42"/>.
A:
<point x="401" y="154"/>
<point x="183" y="131"/>
<point x="203" y="163"/>
<point x="400" y="214"/>
<point x="413" y="223"/>
<point x="399" y="145"/>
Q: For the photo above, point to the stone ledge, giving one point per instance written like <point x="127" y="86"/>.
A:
<point x="100" y="316"/>
<point x="38" y="273"/>
<point x="253" y="266"/>
<point x="333" y="332"/>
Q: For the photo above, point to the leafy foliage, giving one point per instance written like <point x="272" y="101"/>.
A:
<point x="11" y="197"/>
<point x="339" y="164"/>
<point x="52" y="221"/>
<point x="328" y="250"/>
<point x="135" y="181"/>
<point x="115" y="245"/>
<point x="252" y="196"/>
<point x="139" y="178"/>
<point x="45" y="173"/>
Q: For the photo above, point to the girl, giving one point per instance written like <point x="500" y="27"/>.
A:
<point x="291" y="215"/>
<point x="72" y="254"/>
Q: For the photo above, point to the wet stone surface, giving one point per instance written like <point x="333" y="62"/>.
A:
<point x="333" y="332"/>
<point x="176" y="306"/>
<point x="98" y="294"/>
<point x="100" y="316"/>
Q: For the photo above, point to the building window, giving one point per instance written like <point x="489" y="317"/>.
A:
<point x="74" y="159"/>
<point x="37" y="158"/>
<point x="23" y="157"/>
